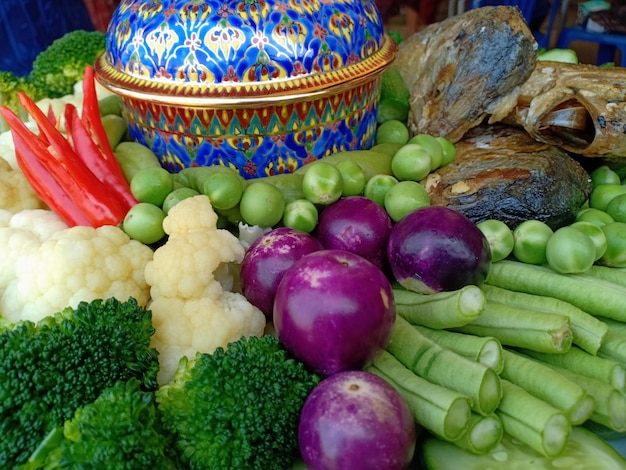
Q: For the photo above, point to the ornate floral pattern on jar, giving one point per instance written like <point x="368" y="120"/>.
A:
<point x="262" y="86"/>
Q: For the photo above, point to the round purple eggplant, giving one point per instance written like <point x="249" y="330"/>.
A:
<point x="355" y="420"/>
<point x="266" y="261"/>
<point x="356" y="224"/>
<point x="334" y="311"/>
<point x="437" y="249"/>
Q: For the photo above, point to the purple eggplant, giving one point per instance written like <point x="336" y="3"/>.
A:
<point x="437" y="249"/>
<point x="266" y="261"/>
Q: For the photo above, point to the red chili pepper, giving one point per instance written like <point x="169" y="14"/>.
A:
<point x="98" y="203"/>
<point x="91" y="156"/>
<point x="93" y="123"/>
<point x="51" y="117"/>
<point x="28" y="149"/>
<point x="78" y="176"/>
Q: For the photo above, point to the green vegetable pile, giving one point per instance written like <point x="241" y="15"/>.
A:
<point x="57" y="68"/>
<point x="522" y="361"/>
<point x="238" y="407"/>
<point x="64" y="362"/>
<point x="120" y="429"/>
<point x="10" y="86"/>
<point x="534" y="353"/>
<point x="596" y="237"/>
<point x="530" y="355"/>
<point x="79" y="389"/>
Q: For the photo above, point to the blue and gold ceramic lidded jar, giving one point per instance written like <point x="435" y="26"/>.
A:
<point x="263" y="86"/>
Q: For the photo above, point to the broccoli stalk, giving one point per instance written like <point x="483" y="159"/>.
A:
<point x="51" y="368"/>
<point x="61" y="65"/>
<point x="237" y="407"/>
<point x="121" y="429"/>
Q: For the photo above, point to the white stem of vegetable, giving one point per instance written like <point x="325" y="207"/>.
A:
<point x="442" y="309"/>
<point x="520" y="327"/>
<point x="545" y="383"/>
<point x="587" y="330"/>
<point x="584" y="363"/>
<point x="445" y="367"/>
<point x="482" y="349"/>
<point x="442" y="411"/>
<point x="533" y="421"/>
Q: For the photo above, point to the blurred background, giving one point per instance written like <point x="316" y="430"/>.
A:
<point x="400" y="16"/>
<point x="29" y="26"/>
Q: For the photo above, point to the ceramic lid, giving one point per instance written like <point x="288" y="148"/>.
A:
<point x="265" y="45"/>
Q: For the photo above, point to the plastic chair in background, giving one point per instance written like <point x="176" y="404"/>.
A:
<point x="544" y="38"/>
<point x="608" y="43"/>
<point x="527" y="8"/>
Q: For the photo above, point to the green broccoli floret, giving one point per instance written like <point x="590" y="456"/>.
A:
<point x="237" y="407"/>
<point x="10" y="85"/>
<point x="120" y="430"/>
<point x="57" y="68"/>
<point x="51" y="368"/>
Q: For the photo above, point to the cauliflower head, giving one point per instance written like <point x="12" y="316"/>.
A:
<point x="50" y="273"/>
<point x="16" y="193"/>
<point x="193" y="309"/>
<point x="21" y="233"/>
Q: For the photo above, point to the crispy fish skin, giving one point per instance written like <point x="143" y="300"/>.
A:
<point x="500" y="172"/>
<point x="593" y="97"/>
<point x="465" y="69"/>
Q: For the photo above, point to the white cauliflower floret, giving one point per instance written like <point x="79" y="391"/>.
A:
<point x="73" y="265"/>
<point x="58" y="105"/>
<point x="5" y="217"/>
<point x="76" y="98"/>
<point x="21" y="233"/>
<point x="249" y="233"/>
<point x="16" y="193"/>
<point x="186" y="326"/>
<point x="43" y="223"/>
<point x="192" y="308"/>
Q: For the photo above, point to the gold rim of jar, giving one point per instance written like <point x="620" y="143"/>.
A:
<point x="230" y="94"/>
